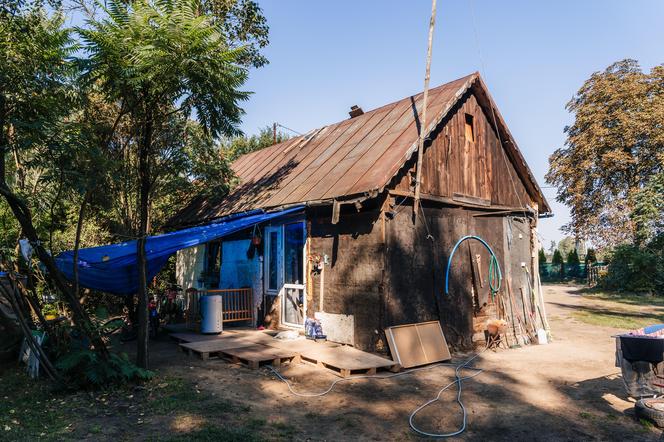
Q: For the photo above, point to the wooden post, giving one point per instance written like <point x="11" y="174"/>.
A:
<point x="425" y="96"/>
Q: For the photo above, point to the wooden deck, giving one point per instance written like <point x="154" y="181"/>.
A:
<point x="255" y="348"/>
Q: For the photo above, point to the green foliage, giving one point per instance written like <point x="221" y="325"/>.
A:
<point x="648" y="214"/>
<point x="573" y="257"/>
<point x="637" y="268"/>
<point x="573" y="264"/>
<point x="541" y="256"/>
<point x="591" y="256"/>
<point x="85" y="369"/>
<point x="153" y="56"/>
<point x="237" y="146"/>
<point x="612" y="155"/>
<point x="557" y="258"/>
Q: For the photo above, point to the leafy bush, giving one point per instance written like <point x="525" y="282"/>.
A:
<point x="638" y="269"/>
<point x="86" y="369"/>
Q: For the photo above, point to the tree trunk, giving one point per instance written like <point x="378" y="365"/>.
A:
<point x="77" y="241"/>
<point x="144" y="190"/>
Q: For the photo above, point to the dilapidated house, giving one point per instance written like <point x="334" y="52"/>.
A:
<point x="357" y="255"/>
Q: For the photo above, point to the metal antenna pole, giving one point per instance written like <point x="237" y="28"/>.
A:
<point x="425" y="96"/>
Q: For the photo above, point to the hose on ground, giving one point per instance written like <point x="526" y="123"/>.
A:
<point x="458" y="380"/>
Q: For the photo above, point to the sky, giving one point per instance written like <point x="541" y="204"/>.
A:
<point x="326" y="56"/>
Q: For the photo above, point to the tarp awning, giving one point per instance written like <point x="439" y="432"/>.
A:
<point x="113" y="268"/>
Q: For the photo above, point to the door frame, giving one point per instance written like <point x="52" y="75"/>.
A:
<point x="281" y="270"/>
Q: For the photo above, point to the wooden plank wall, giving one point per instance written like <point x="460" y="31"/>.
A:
<point x="453" y="165"/>
<point x="354" y="278"/>
<point x="385" y="270"/>
<point x="415" y="275"/>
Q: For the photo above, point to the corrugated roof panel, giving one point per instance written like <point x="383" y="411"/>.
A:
<point x="352" y="157"/>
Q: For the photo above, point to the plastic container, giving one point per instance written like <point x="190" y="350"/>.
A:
<point x="211" y="314"/>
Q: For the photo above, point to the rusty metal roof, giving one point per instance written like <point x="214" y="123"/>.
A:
<point x="353" y="157"/>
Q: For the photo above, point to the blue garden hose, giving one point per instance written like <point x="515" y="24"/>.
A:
<point x="495" y="276"/>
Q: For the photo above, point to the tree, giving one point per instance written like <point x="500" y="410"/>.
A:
<point x="237" y="146"/>
<point x="591" y="256"/>
<point x="573" y="263"/>
<point x="648" y="214"/>
<point x="613" y="150"/>
<point x="557" y="260"/>
<point x="36" y="97"/>
<point x="541" y="256"/>
<point x="158" y="60"/>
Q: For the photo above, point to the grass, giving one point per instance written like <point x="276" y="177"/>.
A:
<point x="31" y="410"/>
<point x="624" y="311"/>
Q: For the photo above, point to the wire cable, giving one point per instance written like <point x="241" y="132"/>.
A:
<point x="458" y="380"/>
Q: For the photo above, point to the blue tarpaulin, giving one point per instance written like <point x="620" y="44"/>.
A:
<point x="113" y="268"/>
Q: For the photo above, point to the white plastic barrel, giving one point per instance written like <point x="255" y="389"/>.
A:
<point x="211" y="314"/>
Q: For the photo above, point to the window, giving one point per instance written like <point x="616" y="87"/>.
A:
<point x="273" y="253"/>
<point x="294" y="252"/>
<point x="212" y="264"/>
<point x="470" y="130"/>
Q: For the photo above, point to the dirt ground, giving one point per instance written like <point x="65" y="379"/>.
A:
<point x="566" y="390"/>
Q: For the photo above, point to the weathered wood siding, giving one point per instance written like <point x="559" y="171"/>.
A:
<point x="417" y="255"/>
<point x="354" y="277"/>
<point x="453" y="165"/>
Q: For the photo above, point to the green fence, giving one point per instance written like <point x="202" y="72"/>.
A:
<point x="565" y="272"/>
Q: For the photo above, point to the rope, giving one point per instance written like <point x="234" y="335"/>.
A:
<point x="495" y="276"/>
<point x="458" y="380"/>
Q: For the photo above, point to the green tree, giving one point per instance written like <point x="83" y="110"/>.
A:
<point x="541" y="256"/>
<point x="557" y="260"/>
<point x="648" y="214"/>
<point x="36" y="98"/>
<point x="237" y="146"/>
<point x="573" y="257"/>
<point x="591" y="256"/>
<point x="159" y="59"/>
<point x="613" y="150"/>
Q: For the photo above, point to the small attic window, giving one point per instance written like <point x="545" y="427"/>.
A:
<point x="470" y="129"/>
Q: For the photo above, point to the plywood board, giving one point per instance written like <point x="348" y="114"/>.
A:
<point x="417" y="344"/>
<point x="347" y="358"/>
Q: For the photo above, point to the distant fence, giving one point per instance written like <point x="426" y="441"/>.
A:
<point x="566" y="272"/>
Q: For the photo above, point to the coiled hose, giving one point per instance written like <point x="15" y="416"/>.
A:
<point x="458" y="380"/>
<point x="495" y="276"/>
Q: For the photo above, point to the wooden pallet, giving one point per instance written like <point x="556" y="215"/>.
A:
<point x="256" y="355"/>
<point x="299" y="345"/>
<point x="215" y="347"/>
<point x="194" y="337"/>
<point x="347" y="361"/>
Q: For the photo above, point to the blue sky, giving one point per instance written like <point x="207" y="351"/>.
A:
<point x="326" y="56"/>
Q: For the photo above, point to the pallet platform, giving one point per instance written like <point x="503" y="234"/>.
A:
<point x="215" y="347"/>
<point x="193" y="337"/>
<point x="256" y="355"/>
<point x="347" y="361"/>
<point x="299" y="345"/>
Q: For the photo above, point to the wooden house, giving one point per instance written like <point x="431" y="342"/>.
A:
<point x="357" y="256"/>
